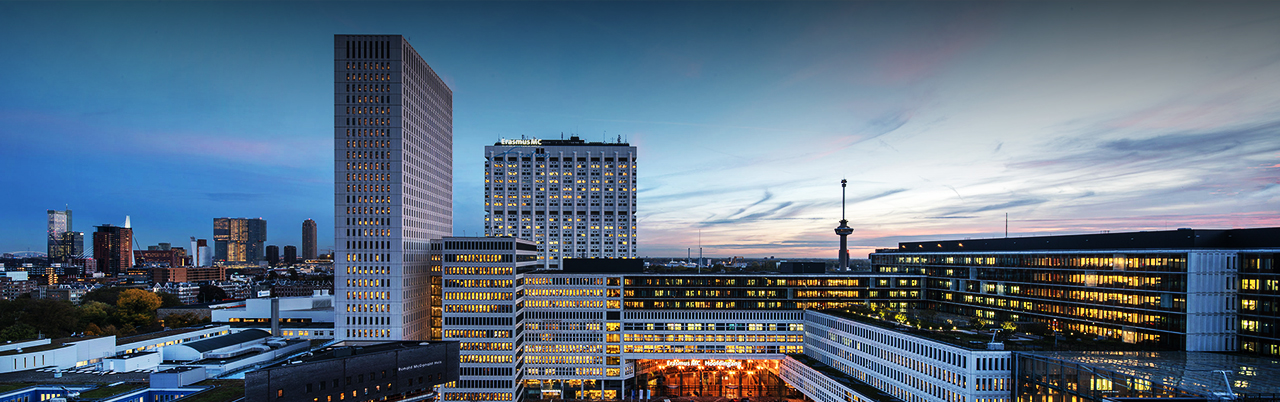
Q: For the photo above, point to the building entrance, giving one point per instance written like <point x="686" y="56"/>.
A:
<point x="711" y="377"/>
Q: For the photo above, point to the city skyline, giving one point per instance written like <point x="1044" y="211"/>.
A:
<point x="1072" y="118"/>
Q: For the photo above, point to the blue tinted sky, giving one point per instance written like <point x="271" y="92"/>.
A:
<point x="944" y="116"/>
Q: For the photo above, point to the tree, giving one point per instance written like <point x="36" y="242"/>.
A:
<point x="210" y="293"/>
<point x="179" y="320"/>
<point x="95" y="312"/>
<point x="137" y="308"/>
<point x="1009" y="326"/>
<point x="53" y="318"/>
<point x="18" y="332"/>
<point x="901" y="318"/>
<point x="169" y="300"/>
<point x="108" y="295"/>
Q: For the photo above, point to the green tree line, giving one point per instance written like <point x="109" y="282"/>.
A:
<point x="103" y="311"/>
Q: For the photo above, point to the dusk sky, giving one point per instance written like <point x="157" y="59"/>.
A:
<point x="944" y="116"/>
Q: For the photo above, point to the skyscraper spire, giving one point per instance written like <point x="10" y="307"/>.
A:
<point x="843" y="230"/>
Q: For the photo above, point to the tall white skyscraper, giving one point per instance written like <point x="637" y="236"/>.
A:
<point x="575" y="199"/>
<point x="393" y="191"/>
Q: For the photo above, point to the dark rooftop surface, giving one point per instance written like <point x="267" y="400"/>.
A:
<point x="283" y="325"/>
<point x="1193" y="371"/>
<point x="72" y="377"/>
<point x="223" y="341"/>
<point x="1165" y="239"/>
<point x="225" y="360"/>
<point x="231" y="303"/>
<point x="333" y="352"/>
<point x="845" y="379"/>
<point x="159" y="334"/>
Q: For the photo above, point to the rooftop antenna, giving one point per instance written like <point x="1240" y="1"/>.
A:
<point x="1006" y="225"/>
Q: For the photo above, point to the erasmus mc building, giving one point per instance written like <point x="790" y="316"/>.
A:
<point x="537" y="320"/>
<point x="607" y="329"/>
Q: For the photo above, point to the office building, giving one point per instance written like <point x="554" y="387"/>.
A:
<point x="64" y="244"/>
<point x="239" y="240"/>
<point x="309" y="240"/>
<point x="1191" y="290"/>
<point x="113" y="249"/>
<point x="574" y="199"/>
<point x="605" y="329"/>
<point x="393" y="178"/>
<point x="482" y="288"/>
<point x="290" y="255"/>
<point x="15" y="284"/>
<point x="173" y="257"/>
<point x="70" y="247"/>
<point x="273" y="255"/>
<point x="59" y="223"/>
<point x="200" y="253"/>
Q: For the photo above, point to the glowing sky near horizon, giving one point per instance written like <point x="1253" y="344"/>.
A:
<point x="944" y="116"/>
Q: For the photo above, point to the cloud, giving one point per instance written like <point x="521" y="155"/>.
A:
<point x="1199" y="143"/>
<point x="876" y="196"/>
<point x="753" y="217"/>
<point x="767" y="196"/>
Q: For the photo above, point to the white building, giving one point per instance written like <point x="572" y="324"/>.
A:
<point x="393" y="178"/>
<point x="302" y="309"/>
<point x="908" y="367"/>
<point x="574" y="199"/>
<point x="481" y="293"/>
<point x="57" y="353"/>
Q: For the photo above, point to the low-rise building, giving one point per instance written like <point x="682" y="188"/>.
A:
<point x="305" y="309"/>
<point x="12" y="288"/>
<point x="71" y="293"/>
<point x="386" y="371"/>
<point x="61" y="353"/>
<point x="187" y="292"/>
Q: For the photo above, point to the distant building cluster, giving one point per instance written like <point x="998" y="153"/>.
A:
<point x="237" y="264"/>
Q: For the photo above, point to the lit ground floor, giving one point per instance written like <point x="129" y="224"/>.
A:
<point x="675" y="379"/>
<point x="733" y="379"/>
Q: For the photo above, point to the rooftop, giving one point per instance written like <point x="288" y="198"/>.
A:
<point x="1165" y="239"/>
<point x="160" y="334"/>
<point x="973" y="339"/>
<point x="53" y="344"/>
<point x="573" y="140"/>
<point x="334" y="352"/>
<point x="1199" y="372"/>
<point x="844" y="379"/>
<point x="223" y="341"/>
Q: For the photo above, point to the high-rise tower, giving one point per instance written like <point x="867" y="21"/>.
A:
<point x="63" y="243"/>
<point x="843" y="230"/>
<point x="239" y="240"/>
<point x="308" y="239"/>
<point x="113" y="249"/>
<point x="393" y="187"/>
<point x="575" y="199"/>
